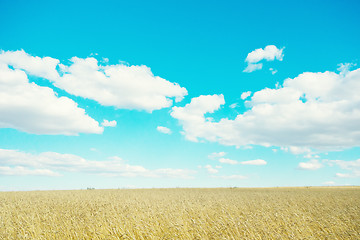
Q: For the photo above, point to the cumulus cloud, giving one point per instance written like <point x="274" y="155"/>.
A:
<point x="52" y="163"/>
<point x="311" y="111"/>
<point x="245" y="95"/>
<point x="42" y="67"/>
<point x="34" y="109"/>
<point x="192" y="115"/>
<point x="269" y="53"/>
<point x="313" y="164"/>
<point x="120" y="86"/>
<point x="164" y="130"/>
<point x="107" y="123"/>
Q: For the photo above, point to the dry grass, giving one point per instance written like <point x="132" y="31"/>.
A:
<point x="274" y="213"/>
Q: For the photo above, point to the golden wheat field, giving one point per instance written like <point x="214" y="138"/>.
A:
<point x="223" y="213"/>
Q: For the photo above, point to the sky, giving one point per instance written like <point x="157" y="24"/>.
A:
<point x="158" y="94"/>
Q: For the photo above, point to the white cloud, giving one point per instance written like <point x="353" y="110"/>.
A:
<point x="311" y="155"/>
<point x="251" y="67"/>
<point x="21" y="171"/>
<point x="121" y="86"/>
<point x="232" y="177"/>
<point x="245" y="95"/>
<point x="348" y="165"/>
<point x="228" y="161"/>
<point x="352" y="166"/>
<point x="343" y="175"/>
<point x="313" y="164"/>
<point x="234" y="105"/>
<point x="51" y="163"/>
<point x="163" y="130"/>
<point x="354" y="174"/>
<point x="312" y="111"/>
<point x="296" y="150"/>
<point x="329" y="183"/>
<point x="171" y="173"/>
<point x="107" y="123"/>
<point x="192" y="115"/>
<point x="248" y="147"/>
<point x="34" y="109"/>
<point x="273" y="71"/>
<point x="344" y="68"/>
<point x="41" y="67"/>
<point x="257" y="162"/>
<point x="269" y="53"/>
<point x="210" y="169"/>
<point x="215" y="155"/>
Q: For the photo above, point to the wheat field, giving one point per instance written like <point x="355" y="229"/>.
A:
<point x="223" y="213"/>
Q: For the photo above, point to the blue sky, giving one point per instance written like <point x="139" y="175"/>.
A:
<point x="194" y="94"/>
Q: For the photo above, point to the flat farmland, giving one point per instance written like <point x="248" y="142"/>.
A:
<point x="218" y="213"/>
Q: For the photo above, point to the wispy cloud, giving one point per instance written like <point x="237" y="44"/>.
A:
<point x="344" y="68"/>
<point x="234" y="105"/>
<point x="15" y="162"/>
<point x="232" y="177"/>
<point x="216" y="155"/>
<point x="329" y="183"/>
<point x="228" y="161"/>
<point x="257" y="162"/>
<point x="353" y="168"/>
<point x="22" y="171"/>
